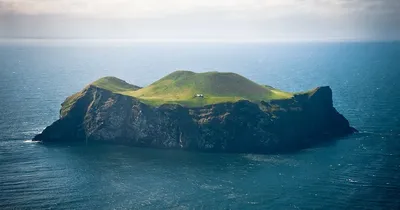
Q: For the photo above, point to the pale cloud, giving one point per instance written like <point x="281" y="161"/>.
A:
<point x="202" y="19"/>
<point x="162" y="8"/>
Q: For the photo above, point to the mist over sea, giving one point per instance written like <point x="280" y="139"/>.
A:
<point x="361" y="171"/>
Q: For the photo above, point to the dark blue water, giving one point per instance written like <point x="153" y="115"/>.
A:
<point x="360" y="171"/>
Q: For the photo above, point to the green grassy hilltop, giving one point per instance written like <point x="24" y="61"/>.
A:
<point x="114" y="84"/>
<point x="181" y="87"/>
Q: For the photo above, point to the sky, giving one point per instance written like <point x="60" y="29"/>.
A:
<point x="220" y="20"/>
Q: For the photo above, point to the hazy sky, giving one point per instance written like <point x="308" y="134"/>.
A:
<point x="202" y="19"/>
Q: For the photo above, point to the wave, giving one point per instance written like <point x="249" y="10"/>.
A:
<point x="31" y="141"/>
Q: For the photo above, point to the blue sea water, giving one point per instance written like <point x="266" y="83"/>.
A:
<point x="361" y="171"/>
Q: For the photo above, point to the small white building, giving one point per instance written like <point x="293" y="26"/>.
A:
<point x="199" y="95"/>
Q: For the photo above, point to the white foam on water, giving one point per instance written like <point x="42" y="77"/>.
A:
<point x="31" y="141"/>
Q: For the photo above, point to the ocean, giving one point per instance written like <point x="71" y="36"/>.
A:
<point x="361" y="171"/>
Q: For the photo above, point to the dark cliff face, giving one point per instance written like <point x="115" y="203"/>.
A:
<point x="98" y="115"/>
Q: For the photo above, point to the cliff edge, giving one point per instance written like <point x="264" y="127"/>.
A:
<point x="103" y="114"/>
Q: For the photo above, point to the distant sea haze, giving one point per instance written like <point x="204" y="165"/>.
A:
<point x="361" y="171"/>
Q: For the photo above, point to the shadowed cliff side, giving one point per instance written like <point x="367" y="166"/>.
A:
<point x="99" y="115"/>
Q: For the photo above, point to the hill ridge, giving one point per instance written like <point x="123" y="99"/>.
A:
<point x="195" y="89"/>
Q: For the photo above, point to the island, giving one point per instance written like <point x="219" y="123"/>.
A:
<point x="211" y="112"/>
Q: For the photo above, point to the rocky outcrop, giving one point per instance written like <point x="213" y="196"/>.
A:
<point x="98" y="115"/>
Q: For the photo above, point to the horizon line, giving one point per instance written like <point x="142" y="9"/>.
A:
<point x="133" y="40"/>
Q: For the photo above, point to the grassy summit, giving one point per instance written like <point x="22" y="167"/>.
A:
<point x="181" y="87"/>
<point x="114" y="84"/>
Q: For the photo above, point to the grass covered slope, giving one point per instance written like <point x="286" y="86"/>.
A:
<point x="216" y="87"/>
<point x="114" y="84"/>
<point x="181" y="87"/>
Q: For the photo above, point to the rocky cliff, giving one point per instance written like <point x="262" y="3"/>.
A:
<point x="99" y="115"/>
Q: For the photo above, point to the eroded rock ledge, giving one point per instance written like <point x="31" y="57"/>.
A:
<point x="98" y="115"/>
